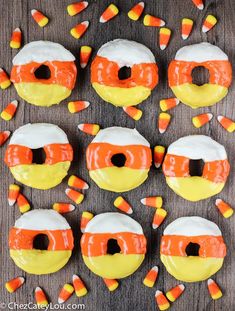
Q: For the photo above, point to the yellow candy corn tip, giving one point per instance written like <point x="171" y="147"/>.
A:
<point x="148" y="283"/>
<point x="118" y="201"/>
<point x="4" y="85"/>
<point x="81" y="292"/>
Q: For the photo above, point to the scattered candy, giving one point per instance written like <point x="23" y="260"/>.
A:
<point x="133" y="112"/>
<point x="161" y="300"/>
<point x="111" y="284"/>
<point x="224" y="208"/>
<point x="169" y="103"/>
<point x="77" y="106"/>
<point x="65" y="293"/>
<point x="86" y="217"/>
<point x="88" y="128"/>
<point x="4" y="80"/>
<point x="136" y="11"/>
<point x="23" y="203"/>
<point x="40" y="297"/>
<point x="158" y="155"/>
<point x="14" y="284"/>
<point x="75" y="8"/>
<point x="151" y="277"/>
<point x="77" y="182"/>
<point x="227" y="123"/>
<point x="110" y="12"/>
<point x="78" y="31"/>
<point x="13" y="194"/>
<point x="164" y="37"/>
<point x="4" y="137"/>
<point x="39" y="18"/>
<point x="16" y="37"/>
<point x="199" y="4"/>
<point x="186" y="28"/>
<point x="63" y="208"/>
<point x="214" y="289"/>
<point x="153" y="21"/>
<point x="175" y="292"/>
<point x="123" y="205"/>
<point x="163" y="121"/>
<point x="85" y="54"/>
<point x="159" y="217"/>
<point x="155" y="202"/>
<point x="74" y="195"/>
<point x="8" y="113"/>
<point x="202" y="119"/>
<point x="80" y="288"/>
<point x="209" y="23"/>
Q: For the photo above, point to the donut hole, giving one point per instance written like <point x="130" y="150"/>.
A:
<point x="41" y="242"/>
<point x="113" y="247"/>
<point x="196" y="167"/>
<point x="118" y="159"/>
<point x="192" y="249"/>
<point x="42" y="72"/>
<point x="39" y="156"/>
<point x="124" y="73"/>
<point x="200" y="75"/>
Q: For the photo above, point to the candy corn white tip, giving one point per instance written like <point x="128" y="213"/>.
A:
<point x="219" y="118"/>
<point x="210" y="281"/>
<point x="7" y="133"/>
<point x="157" y="293"/>
<point x="130" y="211"/>
<point x="154" y="226"/>
<point x="60" y="300"/>
<point x="37" y="289"/>
<point x="33" y="11"/>
<point x="17" y="30"/>
<point x="11" y="202"/>
<point x="161" y="131"/>
<point x="143" y="201"/>
<point x="71" y="207"/>
<point x="218" y="201"/>
<point x="210" y="116"/>
<point x="15" y="103"/>
<point x="200" y="6"/>
<point x="81" y="127"/>
<point x="86" y="23"/>
<point x="102" y="20"/>
<point x="182" y="287"/>
<point x="163" y="23"/>
<point x="155" y="268"/>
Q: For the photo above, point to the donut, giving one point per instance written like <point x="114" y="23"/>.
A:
<point x="192" y="249"/>
<point x="118" y="159"/>
<point x="58" y="152"/>
<point x="27" y="228"/>
<point x="204" y="55"/>
<point x="44" y="73"/>
<point x="176" y="167"/>
<point x="118" y="55"/>
<point x="113" y="245"/>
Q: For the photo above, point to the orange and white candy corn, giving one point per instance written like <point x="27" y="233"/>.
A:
<point x="136" y="11"/>
<point x="14" y="284"/>
<point x="86" y="217"/>
<point x="77" y="106"/>
<point x="77" y="182"/>
<point x="168" y="103"/>
<point x="209" y="23"/>
<point x="163" y="121"/>
<point x="159" y="217"/>
<point x="23" y="203"/>
<point x="202" y="119"/>
<point x="133" y="112"/>
<point x="74" y="195"/>
<point x="228" y="124"/>
<point x="40" y="297"/>
<point x="39" y="18"/>
<point x="224" y="208"/>
<point x="158" y="155"/>
<point x="76" y="8"/>
<point x="4" y="136"/>
<point x="153" y="21"/>
<point x="8" y="113"/>
<point x="65" y="293"/>
<point x="85" y="54"/>
<point x="151" y="277"/>
<point x="199" y="4"/>
<point x="123" y="205"/>
<point x="110" y="12"/>
<point x="88" y="128"/>
<point x="161" y="300"/>
<point x="214" y="289"/>
<point x="186" y="28"/>
<point x="4" y="80"/>
<point x="80" y="288"/>
<point x="111" y="284"/>
<point x="16" y="38"/>
<point x="155" y="202"/>
<point x="175" y="292"/>
<point x="78" y="31"/>
<point x="164" y="37"/>
<point x="63" y="208"/>
<point x="13" y="194"/>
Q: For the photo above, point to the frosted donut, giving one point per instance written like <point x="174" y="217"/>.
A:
<point x="121" y="260"/>
<point x="208" y="56"/>
<point x="40" y="89"/>
<point x="58" y="151"/>
<point x="108" y="146"/>
<point x="27" y="228"/>
<point x="176" y="167"/>
<point x="192" y="249"/>
<point x="118" y="54"/>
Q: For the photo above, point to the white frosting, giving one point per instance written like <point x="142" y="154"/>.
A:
<point x="113" y="223"/>
<point x="38" y="135"/>
<point x="126" y="52"/>
<point x="42" y="219"/>
<point x="192" y="226"/>
<point x="198" y="147"/>
<point x="42" y="51"/>
<point x="121" y="136"/>
<point x="200" y="52"/>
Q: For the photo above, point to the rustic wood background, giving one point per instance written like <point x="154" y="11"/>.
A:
<point x="131" y="293"/>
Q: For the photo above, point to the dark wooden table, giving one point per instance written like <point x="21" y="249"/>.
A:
<point x="131" y="295"/>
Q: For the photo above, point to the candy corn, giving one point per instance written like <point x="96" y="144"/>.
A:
<point x="13" y="193"/>
<point x="136" y="11"/>
<point x="227" y="123"/>
<point x="111" y="284"/>
<point x="123" y="205"/>
<point x="163" y="121"/>
<point x="23" y="203"/>
<point x="209" y="23"/>
<point x="186" y="28"/>
<point x="155" y="202"/>
<point x="8" y="113"/>
<point x="80" y="288"/>
<point x="88" y="128"/>
<point x="169" y="103"/>
<point x="77" y="182"/>
<point x="77" y="106"/>
<point x="175" y="292"/>
<point x="14" y="284"/>
<point x="159" y="217"/>
<point x="224" y="208"/>
<point x="199" y="4"/>
<point x="153" y="21"/>
<point x="151" y="277"/>
<point x="164" y="37"/>
<point x="75" y="8"/>
<point x="85" y="54"/>
<point x="78" y="31"/>
<point x="109" y="13"/>
<point x="214" y="289"/>
<point x="74" y="195"/>
<point x="63" y="208"/>
<point x="4" y="80"/>
<point x="65" y="293"/>
<point x="16" y="37"/>
<point x="202" y="119"/>
<point x="4" y="136"/>
<point x="161" y="300"/>
<point x="133" y="112"/>
<point x="40" y="297"/>
<point x="86" y="217"/>
<point x="158" y="155"/>
<point x="39" y="18"/>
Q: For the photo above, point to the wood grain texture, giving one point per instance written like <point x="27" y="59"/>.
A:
<point x="131" y="295"/>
